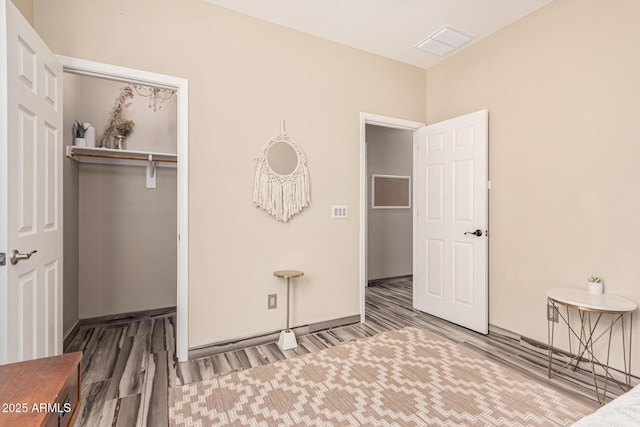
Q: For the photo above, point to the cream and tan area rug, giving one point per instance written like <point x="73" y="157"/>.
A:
<point x="408" y="377"/>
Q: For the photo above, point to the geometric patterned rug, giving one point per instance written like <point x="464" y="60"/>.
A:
<point x="408" y="377"/>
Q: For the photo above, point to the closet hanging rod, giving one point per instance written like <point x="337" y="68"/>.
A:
<point x="125" y="157"/>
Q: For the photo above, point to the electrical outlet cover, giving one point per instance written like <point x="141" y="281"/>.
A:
<point x="272" y="301"/>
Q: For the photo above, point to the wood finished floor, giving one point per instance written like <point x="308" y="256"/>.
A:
<point x="129" y="366"/>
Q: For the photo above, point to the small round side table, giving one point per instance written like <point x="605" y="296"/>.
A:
<point x="287" y="339"/>
<point x="604" y="306"/>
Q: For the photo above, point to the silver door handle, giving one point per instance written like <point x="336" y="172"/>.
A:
<point x="15" y="256"/>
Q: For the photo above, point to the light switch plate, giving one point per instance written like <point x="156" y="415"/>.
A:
<point x="339" y="211"/>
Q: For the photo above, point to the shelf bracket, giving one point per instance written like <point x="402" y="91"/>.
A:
<point x="151" y="172"/>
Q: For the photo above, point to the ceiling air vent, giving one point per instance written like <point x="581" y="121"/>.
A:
<point x="444" y="41"/>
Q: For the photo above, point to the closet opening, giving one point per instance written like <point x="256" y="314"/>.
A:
<point x="125" y="199"/>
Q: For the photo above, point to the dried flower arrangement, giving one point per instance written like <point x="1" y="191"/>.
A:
<point x="123" y="127"/>
<point x="118" y="125"/>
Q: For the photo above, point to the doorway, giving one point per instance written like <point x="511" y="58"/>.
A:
<point x="126" y="75"/>
<point x="385" y="123"/>
<point x="450" y="216"/>
<point x="389" y="208"/>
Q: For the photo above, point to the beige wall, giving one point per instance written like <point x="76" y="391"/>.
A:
<point x="127" y="240"/>
<point x="389" y="231"/>
<point x="245" y="76"/>
<point x="25" y="7"/>
<point x="561" y="86"/>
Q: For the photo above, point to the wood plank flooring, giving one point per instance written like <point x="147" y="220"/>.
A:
<point x="129" y="365"/>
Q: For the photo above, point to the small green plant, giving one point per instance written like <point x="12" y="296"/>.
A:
<point x="594" y="279"/>
<point x="79" y="130"/>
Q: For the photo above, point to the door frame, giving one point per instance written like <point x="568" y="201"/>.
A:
<point x="383" y="121"/>
<point x="181" y="86"/>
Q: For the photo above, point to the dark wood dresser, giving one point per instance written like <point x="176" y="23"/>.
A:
<point x="40" y="392"/>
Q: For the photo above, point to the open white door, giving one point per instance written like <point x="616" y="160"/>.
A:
<point x="450" y="263"/>
<point x="30" y="192"/>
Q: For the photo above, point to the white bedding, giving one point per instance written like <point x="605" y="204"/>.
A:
<point x="621" y="412"/>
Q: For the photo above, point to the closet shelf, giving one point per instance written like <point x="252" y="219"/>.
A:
<point x="110" y="156"/>
<point x="123" y="157"/>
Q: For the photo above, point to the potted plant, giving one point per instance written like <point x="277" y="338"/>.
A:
<point x="79" y="131"/>
<point x="122" y="127"/>
<point x="595" y="285"/>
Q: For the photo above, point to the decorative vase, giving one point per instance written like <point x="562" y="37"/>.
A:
<point x="595" y="287"/>
<point x="90" y="134"/>
<point x="80" y="142"/>
<point x="119" y="142"/>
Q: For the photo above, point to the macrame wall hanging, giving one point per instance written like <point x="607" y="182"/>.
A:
<point x="281" y="185"/>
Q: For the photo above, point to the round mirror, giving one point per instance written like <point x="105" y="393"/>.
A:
<point x="282" y="158"/>
<point x="281" y="185"/>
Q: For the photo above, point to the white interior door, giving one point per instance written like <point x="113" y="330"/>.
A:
<point x="450" y="263"/>
<point x="31" y="192"/>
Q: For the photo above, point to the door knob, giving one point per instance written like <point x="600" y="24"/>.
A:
<point x="475" y="233"/>
<point x="15" y="256"/>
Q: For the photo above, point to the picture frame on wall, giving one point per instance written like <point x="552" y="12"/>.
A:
<point x="390" y="191"/>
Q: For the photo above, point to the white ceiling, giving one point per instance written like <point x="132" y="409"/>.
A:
<point x="390" y="28"/>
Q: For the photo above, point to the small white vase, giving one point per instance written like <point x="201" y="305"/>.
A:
<point x="595" y="287"/>
<point x="80" y="142"/>
<point x="90" y="134"/>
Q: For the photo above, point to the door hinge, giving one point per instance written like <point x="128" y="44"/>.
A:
<point x="3" y="258"/>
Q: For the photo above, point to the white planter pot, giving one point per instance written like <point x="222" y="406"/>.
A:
<point x="595" y="287"/>
<point x="80" y="142"/>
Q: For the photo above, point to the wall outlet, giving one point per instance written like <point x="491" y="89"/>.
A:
<point x="552" y="313"/>
<point x="272" y="301"/>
